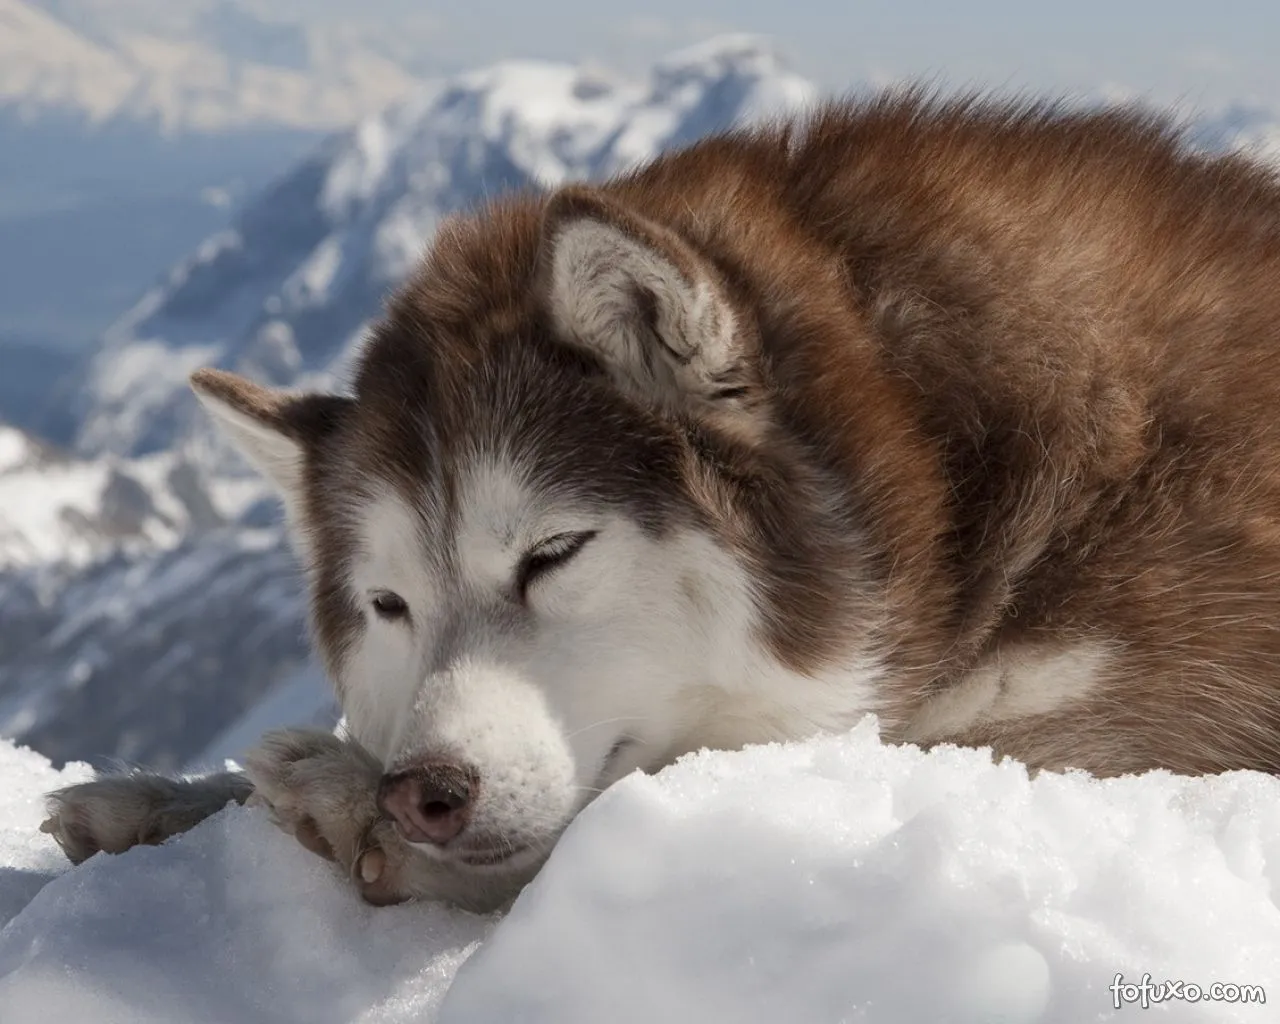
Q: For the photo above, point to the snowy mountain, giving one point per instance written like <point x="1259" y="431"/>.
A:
<point x="146" y="120"/>
<point x="151" y="656"/>
<point x="122" y="584"/>
<point x="285" y="292"/>
<point x="172" y="643"/>
<point x="69" y="511"/>
<point x="185" y="66"/>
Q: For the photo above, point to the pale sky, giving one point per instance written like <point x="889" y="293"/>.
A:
<point x="1174" y="50"/>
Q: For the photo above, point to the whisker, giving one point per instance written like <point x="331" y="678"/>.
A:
<point x="608" y="721"/>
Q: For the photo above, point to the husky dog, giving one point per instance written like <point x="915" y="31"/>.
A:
<point x="964" y="414"/>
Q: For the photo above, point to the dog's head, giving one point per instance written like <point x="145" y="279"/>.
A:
<point x="550" y="535"/>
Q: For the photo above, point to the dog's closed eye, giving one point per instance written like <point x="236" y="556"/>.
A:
<point x="548" y="556"/>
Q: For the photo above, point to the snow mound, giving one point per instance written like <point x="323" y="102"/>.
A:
<point x="870" y="883"/>
<point x="27" y="857"/>
<point x="232" y="922"/>
<point x="834" y="880"/>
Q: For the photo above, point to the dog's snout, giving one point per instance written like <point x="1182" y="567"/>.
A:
<point x="430" y="803"/>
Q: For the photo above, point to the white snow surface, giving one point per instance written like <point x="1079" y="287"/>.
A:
<point x="27" y="858"/>
<point x="836" y="880"/>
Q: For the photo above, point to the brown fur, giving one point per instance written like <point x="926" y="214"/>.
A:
<point x="1009" y="383"/>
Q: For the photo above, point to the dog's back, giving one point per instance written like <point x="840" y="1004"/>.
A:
<point x="1045" y="347"/>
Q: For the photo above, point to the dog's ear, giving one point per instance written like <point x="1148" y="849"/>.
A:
<point x="644" y="300"/>
<point x="272" y="428"/>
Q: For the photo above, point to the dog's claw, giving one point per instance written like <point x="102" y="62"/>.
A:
<point x="372" y="865"/>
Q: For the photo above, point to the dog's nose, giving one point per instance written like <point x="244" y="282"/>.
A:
<point x="429" y="802"/>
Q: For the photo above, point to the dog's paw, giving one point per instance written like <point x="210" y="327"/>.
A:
<point x="117" y="812"/>
<point x="323" y="791"/>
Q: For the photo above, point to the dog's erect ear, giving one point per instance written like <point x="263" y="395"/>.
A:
<point x="643" y="299"/>
<point x="272" y="428"/>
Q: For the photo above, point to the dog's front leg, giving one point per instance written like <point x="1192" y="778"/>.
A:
<point x="116" y="812"/>
<point x="318" y="788"/>
<point x="321" y="789"/>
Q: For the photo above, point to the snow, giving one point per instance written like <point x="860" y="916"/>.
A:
<point x="833" y="880"/>
<point x="14" y="449"/>
<point x="310" y="283"/>
<point x="232" y="922"/>
<point x="34" y="528"/>
<point x="56" y="509"/>
<point x="144" y="376"/>
<point x="28" y="860"/>
<point x="358" y="170"/>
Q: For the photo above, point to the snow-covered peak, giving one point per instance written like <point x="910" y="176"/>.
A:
<point x="16" y="449"/>
<point x="59" y="512"/>
<point x="689" y="91"/>
<point x="285" y="292"/>
<point x="548" y="118"/>
<point x="752" y="63"/>
<point x="1251" y="128"/>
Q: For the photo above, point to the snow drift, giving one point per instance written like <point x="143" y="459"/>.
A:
<point x="828" y="881"/>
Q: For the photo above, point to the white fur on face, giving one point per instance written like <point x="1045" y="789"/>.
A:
<point x="383" y="677"/>
<point x="631" y="653"/>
